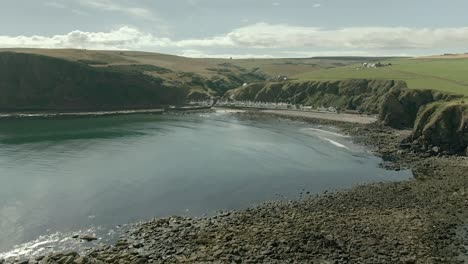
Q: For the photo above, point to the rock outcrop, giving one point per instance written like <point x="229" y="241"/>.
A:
<point x="442" y="127"/>
<point x="400" y="107"/>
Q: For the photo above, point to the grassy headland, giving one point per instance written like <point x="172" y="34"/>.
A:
<point x="446" y="75"/>
<point x="41" y="83"/>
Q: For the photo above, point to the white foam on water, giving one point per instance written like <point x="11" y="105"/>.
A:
<point x="59" y="242"/>
<point x="325" y="131"/>
<point x="35" y="247"/>
<point x="320" y="134"/>
<point x="224" y="111"/>
<point x="334" y="142"/>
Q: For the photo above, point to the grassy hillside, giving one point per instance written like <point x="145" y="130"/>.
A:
<point x="213" y="77"/>
<point x="203" y="77"/>
<point x="34" y="82"/>
<point x="290" y="67"/>
<point x="202" y="67"/>
<point x="437" y="73"/>
<point x="443" y="73"/>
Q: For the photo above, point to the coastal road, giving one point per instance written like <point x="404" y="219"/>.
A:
<point x="343" y="117"/>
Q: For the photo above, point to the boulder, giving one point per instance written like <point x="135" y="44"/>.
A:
<point x="88" y="238"/>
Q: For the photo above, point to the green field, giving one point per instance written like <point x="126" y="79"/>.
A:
<point x="448" y="75"/>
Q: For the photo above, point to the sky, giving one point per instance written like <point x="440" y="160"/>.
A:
<point x="240" y="28"/>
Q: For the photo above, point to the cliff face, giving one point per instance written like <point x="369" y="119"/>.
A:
<point x="362" y="95"/>
<point x="33" y="82"/>
<point x="444" y="125"/>
<point x="439" y="121"/>
<point x="400" y="107"/>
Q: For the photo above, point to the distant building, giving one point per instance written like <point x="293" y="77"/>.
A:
<point x="280" y="78"/>
<point x="374" y="65"/>
<point x="369" y="65"/>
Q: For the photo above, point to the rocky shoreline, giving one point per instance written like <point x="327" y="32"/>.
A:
<point x="417" y="221"/>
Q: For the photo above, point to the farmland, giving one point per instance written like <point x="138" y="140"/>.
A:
<point x="435" y="73"/>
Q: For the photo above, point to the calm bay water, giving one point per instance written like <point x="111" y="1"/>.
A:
<point x="65" y="175"/>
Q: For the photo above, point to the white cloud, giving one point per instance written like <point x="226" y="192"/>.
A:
<point x="317" y="5"/>
<point x="201" y="54"/>
<point x="261" y="39"/>
<point x="276" y="4"/>
<point x="122" y="38"/>
<point x="209" y="42"/>
<point x="263" y="35"/>
<point x="331" y="53"/>
<point x="109" y="5"/>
